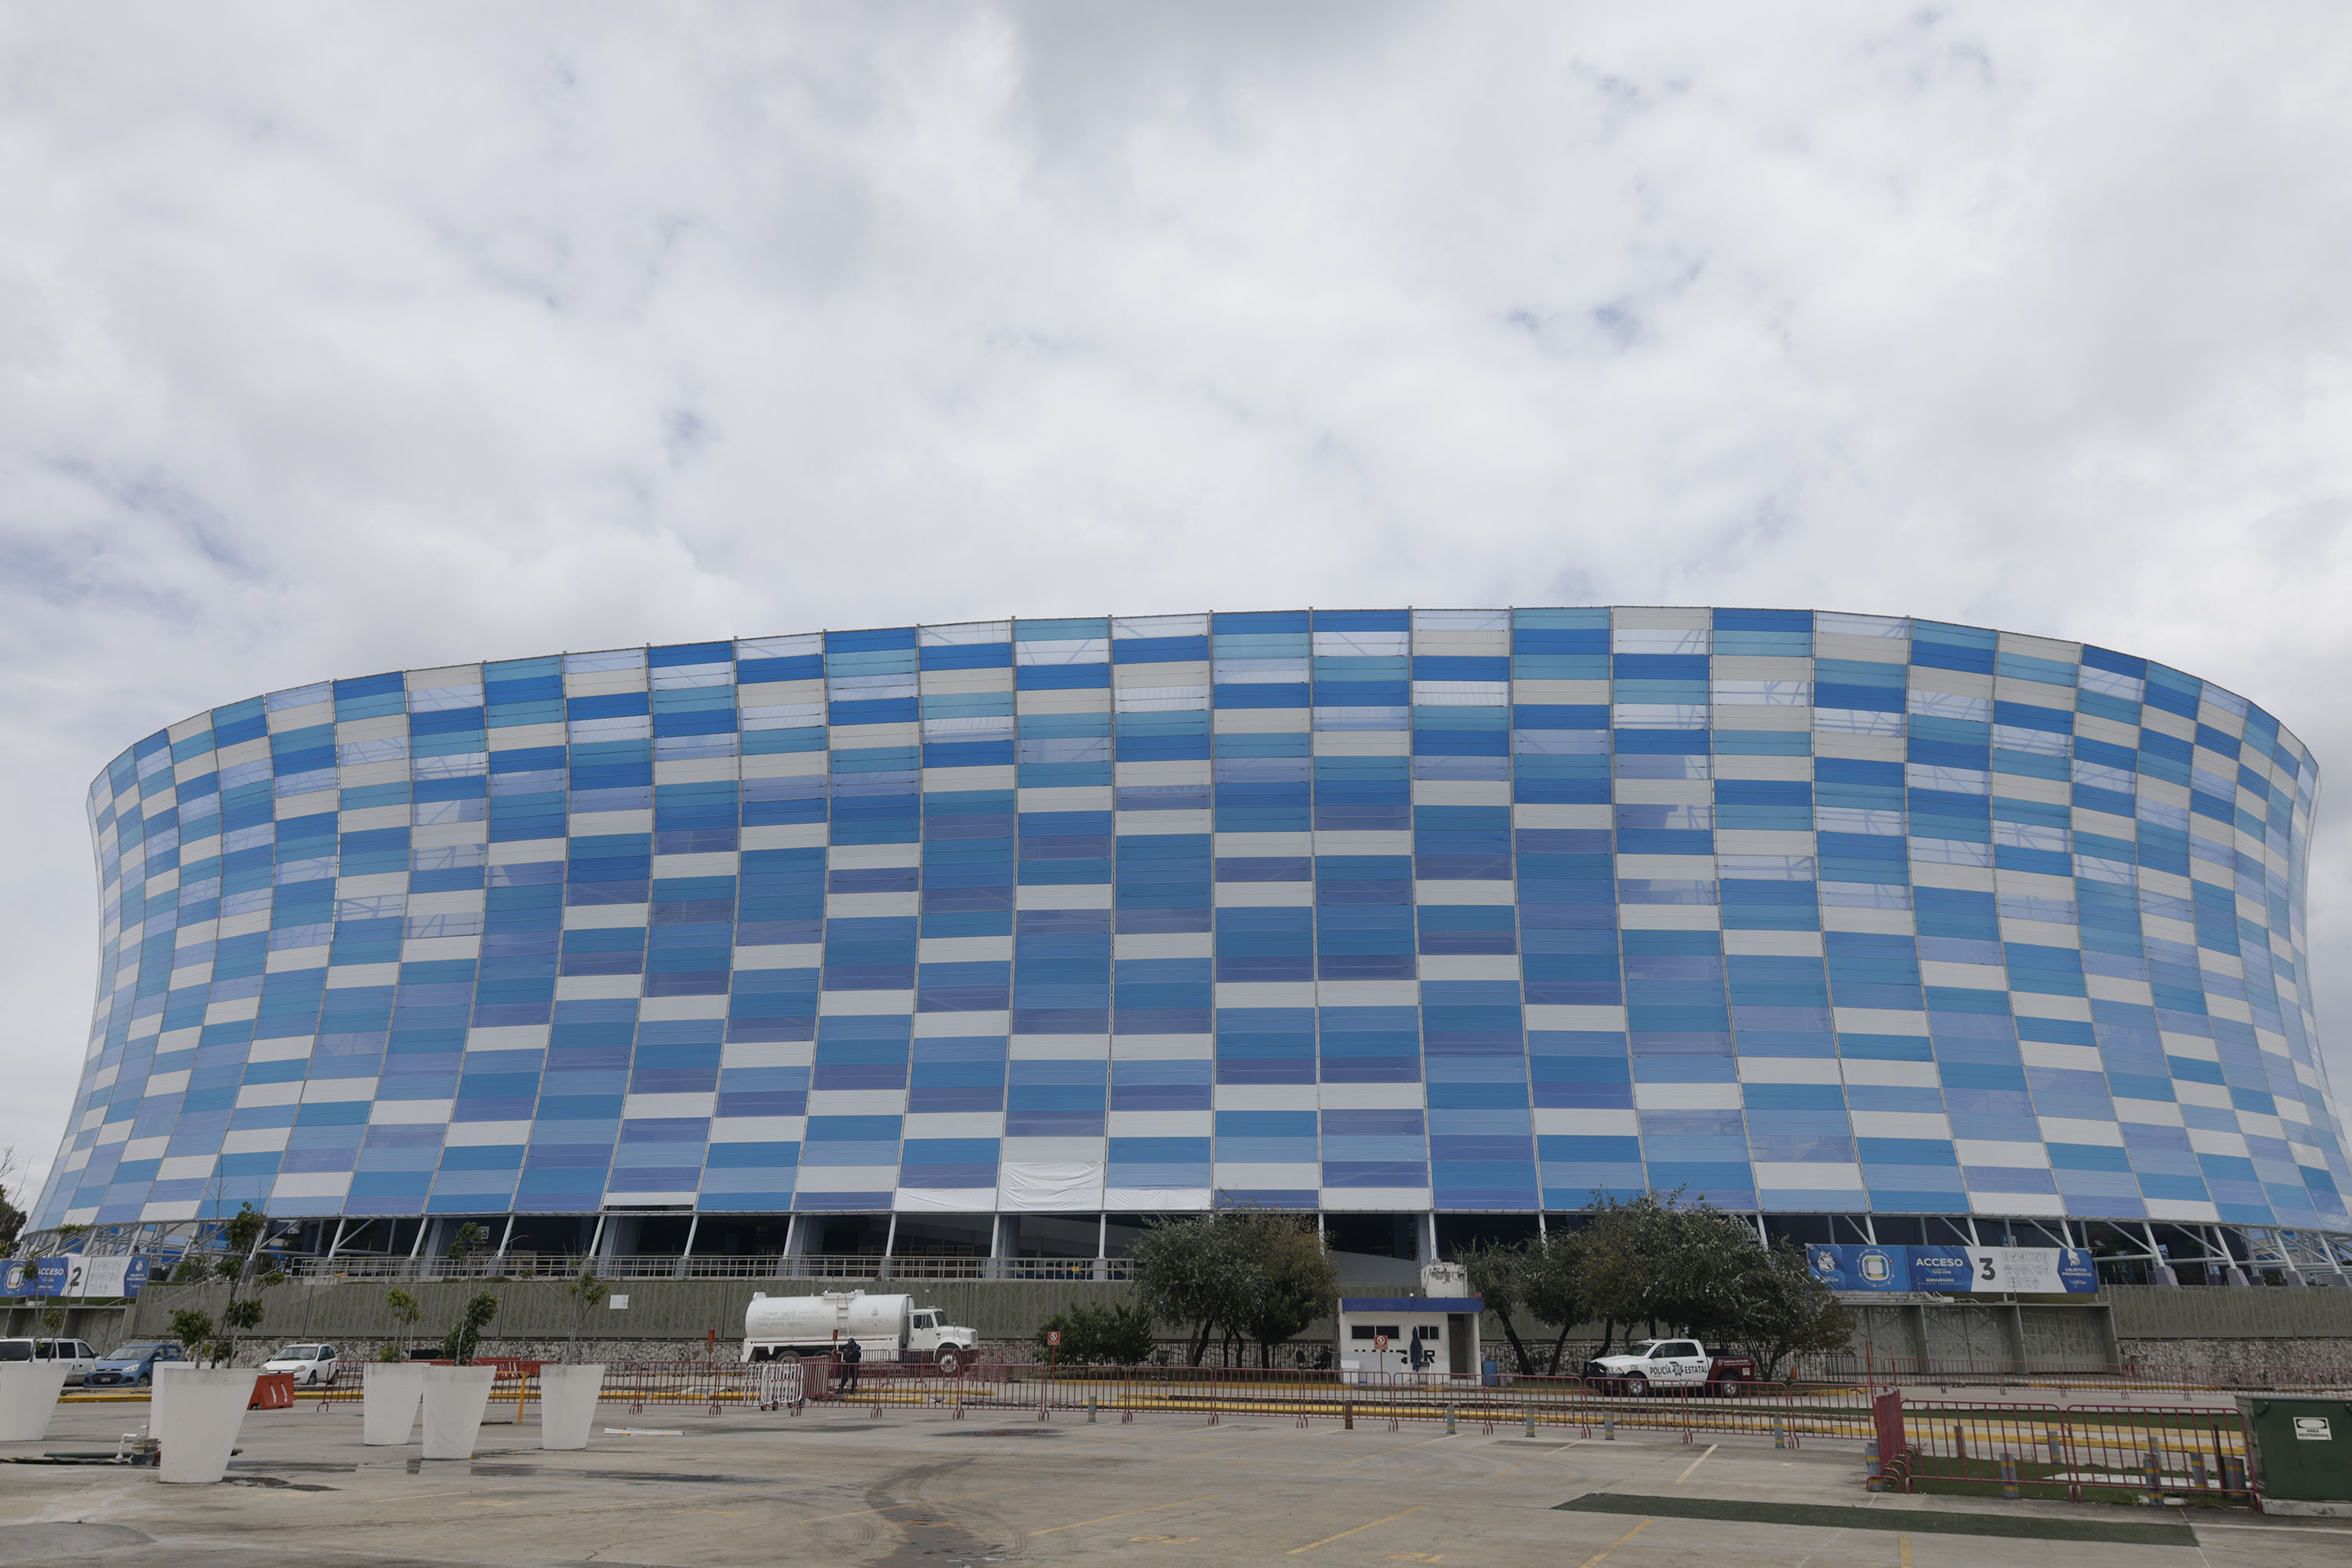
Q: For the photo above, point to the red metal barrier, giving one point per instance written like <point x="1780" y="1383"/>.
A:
<point x="2110" y="1453"/>
<point x="272" y="1391"/>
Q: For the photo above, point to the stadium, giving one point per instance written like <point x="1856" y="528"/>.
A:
<point x="988" y="941"/>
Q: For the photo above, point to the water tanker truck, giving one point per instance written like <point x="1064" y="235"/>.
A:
<point x="887" y="1328"/>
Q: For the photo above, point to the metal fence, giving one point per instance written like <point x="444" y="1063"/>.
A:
<point x="2076" y="1453"/>
<point x="1896" y="1372"/>
<point x="1568" y="1406"/>
<point x="850" y="1266"/>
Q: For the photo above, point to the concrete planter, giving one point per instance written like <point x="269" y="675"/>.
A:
<point x="28" y="1397"/>
<point x="388" y="1402"/>
<point x="197" y="1413"/>
<point x="455" y="1398"/>
<point x="567" y="1403"/>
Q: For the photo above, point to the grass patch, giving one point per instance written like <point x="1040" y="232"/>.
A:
<point x="1913" y="1522"/>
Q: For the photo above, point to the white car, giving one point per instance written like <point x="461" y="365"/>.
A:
<point x="314" y="1366"/>
<point x="80" y="1360"/>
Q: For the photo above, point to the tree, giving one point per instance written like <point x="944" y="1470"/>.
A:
<point x="406" y="1312"/>
<point x="459" y="1344"/>
<point x="1555" y="1288"/>
<point x="12" y="1218"/>
<point x="1188" y="1272"/>
<point x="1543" y="1277"/>
<point x="193" y="1329"/>
<point x="585" y="1292"/>
<point x="1289" y="1280"/>
<point x="241" y="1237"/>
<point x="1785" y="1309"/>
<point x="1098" y="1336"/>
<point x="470" y="1238"/>
<point x="1497" y="1274"/>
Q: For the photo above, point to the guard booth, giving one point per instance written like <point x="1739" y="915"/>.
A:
<point x="1379" y="1336"/>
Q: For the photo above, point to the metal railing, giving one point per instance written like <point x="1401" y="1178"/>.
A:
<point x="2075" y="1453"/>
<point x="1896" y="1372"/>
<point x="1556" y="1406"/>
<point x="852" y="1266"/>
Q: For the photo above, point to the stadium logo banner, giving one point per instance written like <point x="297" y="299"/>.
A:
<point x="1988" y="1271"/>
<point x="72" y="1274"/>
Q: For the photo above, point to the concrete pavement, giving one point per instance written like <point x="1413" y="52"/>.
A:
<point x="919" y="1488"/>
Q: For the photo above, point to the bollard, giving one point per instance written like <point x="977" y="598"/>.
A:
<point x="1348" y="1417"/>
<point x="2009" y="1488"/>
<point x="1090" y="1412"/>
<point x="1609" y="1429"/>
<point x="2233" y="1473"/>
<point x="2155" y="1470"/>
<point x="2197" y="1472"/>
<point x="1779" y="1434"/>
<point x="1871" y="1466"/>
<point x="1531" y="1423"/>
<point x="1449" y="1421"/>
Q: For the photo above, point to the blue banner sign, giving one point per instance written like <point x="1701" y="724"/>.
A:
<point x="1983" y="1270"/>
<point x="73" y="1275"/>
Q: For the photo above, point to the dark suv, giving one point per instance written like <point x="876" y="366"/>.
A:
<point x="133" y="1363"/>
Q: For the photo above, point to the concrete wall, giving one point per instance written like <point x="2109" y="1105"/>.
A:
<point x="2161" y="1329"/>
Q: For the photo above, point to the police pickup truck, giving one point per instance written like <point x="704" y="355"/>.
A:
<point x="1650" y="1364"/>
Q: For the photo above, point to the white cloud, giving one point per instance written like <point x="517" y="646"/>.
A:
<point x="339" y="342"/>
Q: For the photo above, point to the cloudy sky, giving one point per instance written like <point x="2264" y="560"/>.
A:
<point x="336" y="340"/>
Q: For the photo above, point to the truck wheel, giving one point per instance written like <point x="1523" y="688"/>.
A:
<point x="950" y="1359"/>
<point x="1637" y="1384"/>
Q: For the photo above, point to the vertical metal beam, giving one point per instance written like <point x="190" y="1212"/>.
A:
<point x="692" y="1225"/>
<point x="336" y="1245"/>
<point x="596" y="1242"/>
<point x="506" y="1235"/>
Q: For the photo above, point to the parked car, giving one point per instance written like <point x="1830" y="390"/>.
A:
<point x="1671" y="1363"/>
<point x="134" y="1364"/>
<point x="314" y="1366"/>
<point x="80" y="1359"/>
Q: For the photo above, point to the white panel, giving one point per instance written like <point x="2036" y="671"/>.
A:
<point x="1044" y="1186"/>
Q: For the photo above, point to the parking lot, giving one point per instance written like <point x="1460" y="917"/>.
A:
<point x="682" y="1486"/>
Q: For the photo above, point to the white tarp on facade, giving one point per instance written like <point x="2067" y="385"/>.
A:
<point x="1050" y="1186"/>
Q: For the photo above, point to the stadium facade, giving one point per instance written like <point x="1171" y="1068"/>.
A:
<point x="942" y="937"/>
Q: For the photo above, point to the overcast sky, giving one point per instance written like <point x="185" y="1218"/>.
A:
<point x="340" y="339"/>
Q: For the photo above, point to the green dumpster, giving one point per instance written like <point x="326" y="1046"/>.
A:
<point x="2300" y="1451"/>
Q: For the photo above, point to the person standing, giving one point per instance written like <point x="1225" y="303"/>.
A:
<point x="851" y="1354"/>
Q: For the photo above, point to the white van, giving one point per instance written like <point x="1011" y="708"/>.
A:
<point x="81" y="1360"/>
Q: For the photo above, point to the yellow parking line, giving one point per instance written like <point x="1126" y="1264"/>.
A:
<point x="1345" y="1533"/>
<point x="1131" y="1513"/>
<point x="1593" y="1561"/>
<point x="1694" y="1464"/>
<point x="1902" y="1550"/>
